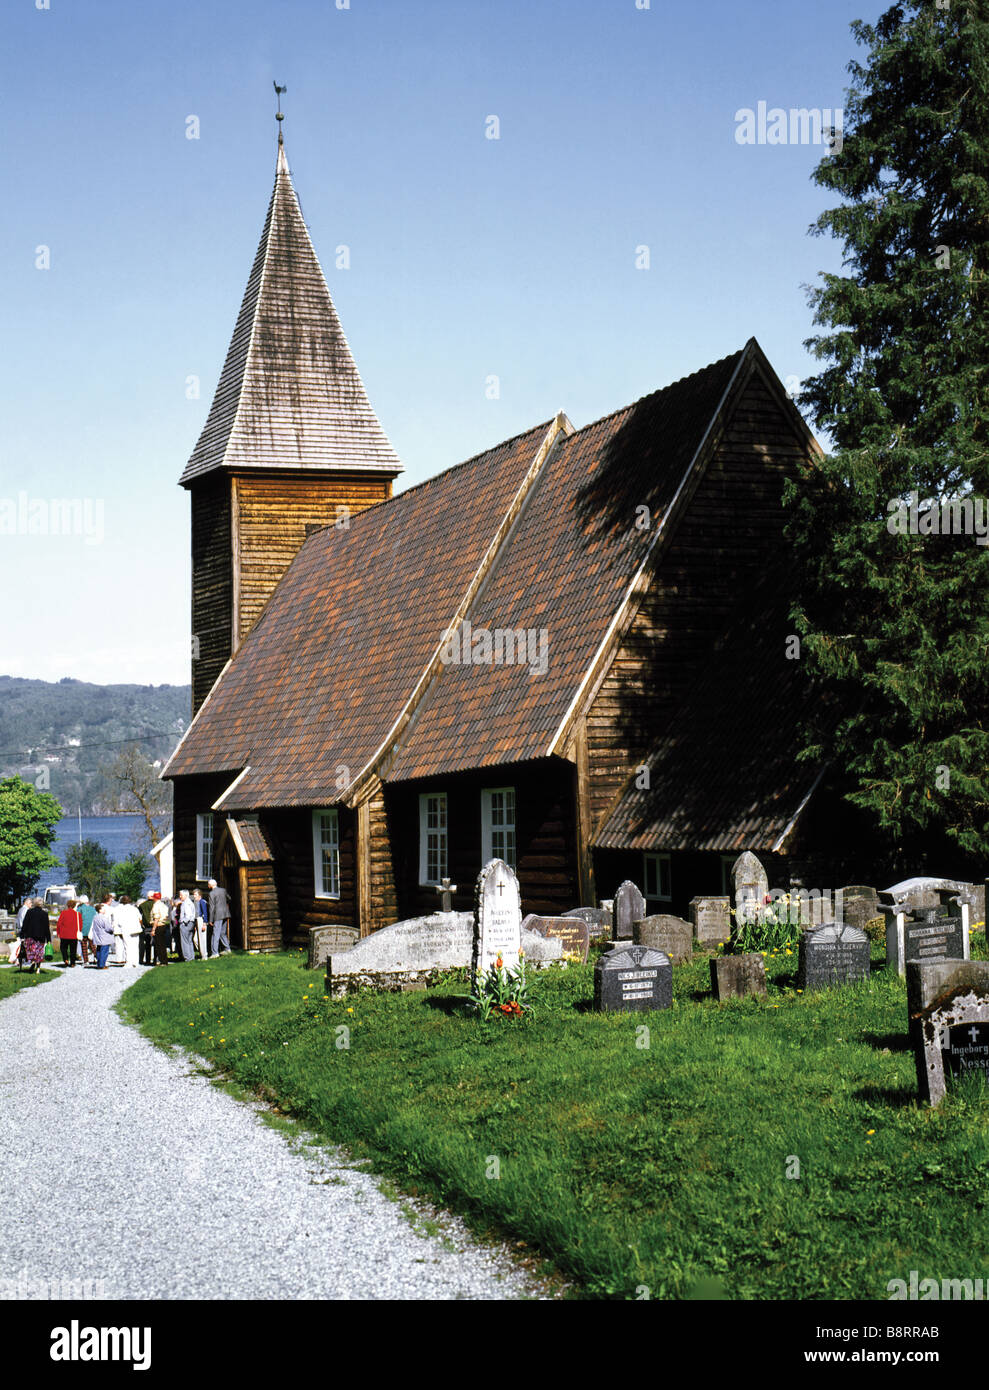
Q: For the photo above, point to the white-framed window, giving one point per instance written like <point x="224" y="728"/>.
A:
<point x="656" y="877"/>
<point x="204" y="846"/>
<point x="432" y="838"/>
<point x="326" y="853"/>
<point x="498" y="824"/>
<point x="727" y="882"/>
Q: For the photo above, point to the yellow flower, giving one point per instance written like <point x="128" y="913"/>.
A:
<point x="870" y="1131"/>
<point x="800" y="991"/>
<point x="350" y="1011"/>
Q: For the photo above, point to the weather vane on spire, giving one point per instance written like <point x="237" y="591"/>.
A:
<point x="279" y="116"/>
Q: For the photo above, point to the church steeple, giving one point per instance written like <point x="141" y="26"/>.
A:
<point x="289" y="395"/>
<point x="290" y="443"/>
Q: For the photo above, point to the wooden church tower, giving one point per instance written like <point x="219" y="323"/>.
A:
<point x="291" y="443"/>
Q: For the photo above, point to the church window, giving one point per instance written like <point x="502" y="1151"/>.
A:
<point x="326" y="853"/>
<point x="432" y="838"/>
<point x="498" y="825"/>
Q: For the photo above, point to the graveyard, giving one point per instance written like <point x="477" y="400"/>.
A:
<point x="805" y="1122"/>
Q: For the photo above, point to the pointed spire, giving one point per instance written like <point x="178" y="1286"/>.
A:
<point x="290" y="395"/>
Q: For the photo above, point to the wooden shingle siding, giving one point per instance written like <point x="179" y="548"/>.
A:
<point x="212" y="584"/>
<point x="272" y="514"/>
<point x="716" y="555"/>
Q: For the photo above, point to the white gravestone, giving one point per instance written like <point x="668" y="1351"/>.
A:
<point x="751" y="887"/>
<point x="497" y="918"/>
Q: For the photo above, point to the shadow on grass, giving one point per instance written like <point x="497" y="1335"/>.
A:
<point x="453" y="1005"/>
<point x="895" y="1042"/>
<point x="892" y="1097"/>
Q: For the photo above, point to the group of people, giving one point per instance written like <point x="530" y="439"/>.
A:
<point x="191" y="925"/>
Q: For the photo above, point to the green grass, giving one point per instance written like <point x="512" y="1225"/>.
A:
<point x="626" y="1158"/>
<point x="12" y="979"/>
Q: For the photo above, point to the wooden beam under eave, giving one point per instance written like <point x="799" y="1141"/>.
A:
<point x="364" y="923"/>
<point x="585" y="860"/>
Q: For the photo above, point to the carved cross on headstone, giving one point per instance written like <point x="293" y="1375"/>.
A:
<point x="447" y="889"/>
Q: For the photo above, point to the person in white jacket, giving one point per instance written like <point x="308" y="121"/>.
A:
<point x="127" y="925"/>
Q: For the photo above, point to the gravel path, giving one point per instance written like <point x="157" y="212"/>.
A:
<point x="122" y="1164"/>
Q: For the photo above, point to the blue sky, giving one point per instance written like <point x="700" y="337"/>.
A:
<point x="470" y="257"/>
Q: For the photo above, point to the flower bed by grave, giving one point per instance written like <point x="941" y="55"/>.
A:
<point x="632" y="1161"/>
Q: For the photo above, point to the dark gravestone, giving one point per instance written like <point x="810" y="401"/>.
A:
<point x="733" y="977"/>
<point x="630" y="906"/>
<point x="631" y="978"/>
<point x="949" y="1022"/>
<point x="926" y="935"/>
<point x="832" y="955"/>
<point x="860" y="904"/>
<point x="671" y="935"/>
<point x="323" y="941"/>
<point x="711" y="920"/>
<point x="597" y="918"/>
<point x="572" y="932"/>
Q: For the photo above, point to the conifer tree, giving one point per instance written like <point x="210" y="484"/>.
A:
<point x="893" y="613"/>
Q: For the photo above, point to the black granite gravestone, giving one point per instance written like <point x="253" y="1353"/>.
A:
<point x="832" y="955"/>
<point x="968" y="1049"/>
<point x="632" y="978"/>
<point x="933" y="936"/>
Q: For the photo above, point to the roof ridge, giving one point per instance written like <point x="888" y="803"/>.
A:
<point x="390" y="502"/>
<point x="720" y="362"/>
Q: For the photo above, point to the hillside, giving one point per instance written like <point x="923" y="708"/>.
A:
<point x="68" y="729"/>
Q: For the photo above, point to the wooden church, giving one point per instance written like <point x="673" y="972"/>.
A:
<point x="570" y="651"/>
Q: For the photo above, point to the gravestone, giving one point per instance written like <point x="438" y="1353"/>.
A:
<point x="949" y="1022"/>
<point x="751" y="886"/>
<point x="834" y="954"/>
<point x="630" y="906"/>
<point x="598" y="919"/>
<point x="328" y="938"/>
<point x="711" y="920"/>
<point x="733" y="977"/>
<point x="631" y="978"/>
<point x="497" y="918"/>
<point x="860" y="904"/>
<point x="573" y="933"/>
<point x="407" y="953"/>
<point x="402" y="953"/>
<point x="926" y="934"/>
<point x="671" y="935"/>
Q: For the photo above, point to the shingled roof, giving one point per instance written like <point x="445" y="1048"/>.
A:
<point x="342" y="677"/>
<point x="289" y="395"/>
<point x="345" y="638"/>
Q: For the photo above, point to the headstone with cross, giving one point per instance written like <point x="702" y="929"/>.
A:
<point x="446" y="889"/>
<point x="948" y="1002"/>
<point x="497" y="918"/>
